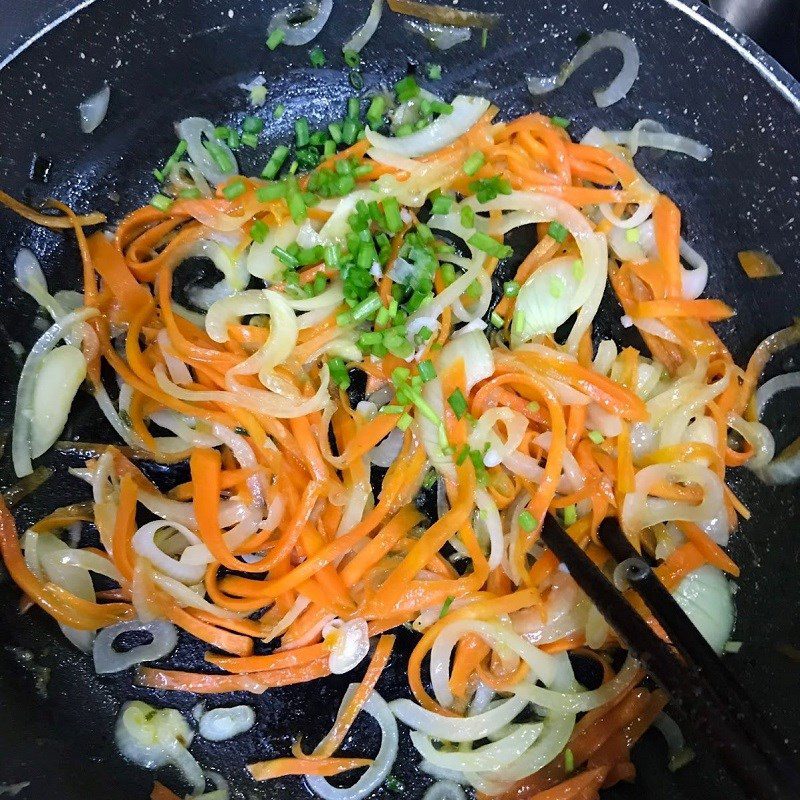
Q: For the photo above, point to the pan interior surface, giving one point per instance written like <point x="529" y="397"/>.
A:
<point x="165" y="61"/>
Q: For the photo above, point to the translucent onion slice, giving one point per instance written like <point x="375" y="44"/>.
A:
<point x="440" y="133"/>
<point x="93" y="109"/>
<point x="705" y="596"/>
<point x="360" y="38"/>
<point x="618" y="87"/>
<point x="445" y="790"/>
<point x="194" y="130"/>
<point x="221" y="724"/>
<point x="107" y="659"/>
<point x="650" y="133"/>
<point x="304" y="32"/>
<point x="376" y="774"/>
<point x="442" y="37"/>
<point x="758" y="264"/>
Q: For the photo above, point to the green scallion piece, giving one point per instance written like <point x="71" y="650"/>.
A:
<point x="338" y="372"/>
<point x="527" y="521"/>
<point x="394" y="785"/>
<point x="406" y="89"/>
<point x="285" y="257"/>
<point x="596" y="437"/>
<point x="484" y="243"/>
<point x="317" y="57"/>
<point x="569" y="761"/>
<point x="366" y="307"/>
<point x="497" y="320"/>
<point x="375" y="111"/>
<point x="351" y="58"/>
<point x="468" y="217"/>
<point x="276" y="161"/>
<point x="279" y="111"/>
<point x="349" y="131"/>
<point x="273" y="191"/>
<point x="301" y="132"/>
<point x="511" y="288"/>
<point x="570" y="515"/>
<point x="426" y="370"/>
<point x="458" y="403"/>
<point x="474" y="290"/>
<point x="404" y="423"/>
<point x="442" y="205"/>
<point x="429" y="480"/>
<point x="275" y="38"/>
<point x="258" y="231"/>
<point x="250" y="140"/>
<point x="219" y="156"/>
<point x="353" y="108"/>
<point x="297" y="207"/>
<point x="190" y="194"/>
<point x="161" y="202"/>
<point x="234" y="189"/>
<point x="632" y="235"/>
<point x="253" y="125"/>
<point x="446" y="606"/>
<point x="356" y="79"/>
<point x="391" y="211"/>
<point x="484" y="37"/>
<point x="433" y="71"/>
<point x="474" y="162"/>
<point x="557" y="231"/>
<point x="560" y="122"/>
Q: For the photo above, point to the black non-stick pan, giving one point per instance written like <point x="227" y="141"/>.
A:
<point x="167" y="59"/>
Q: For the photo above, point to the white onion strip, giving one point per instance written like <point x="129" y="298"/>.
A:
<point x="107" y="659"/>
<point x="359" y="39"/>
<point x="303" y="33"/>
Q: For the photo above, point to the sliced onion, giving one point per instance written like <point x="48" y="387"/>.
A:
<point x="618" y="87"/>
<point x="30" y="278"/>
<point x="359" y="39"/>
<point x="440" y="133"/>
<point x="193" y="129"/>
<point x="376" y="774"/>
<point x="261" y="261"/>
<point x="297" y="35"/>
<point x="93" y="109"/>
<point x="476" y="353"/>
<point x="386" y="453"/>
<point x="445" y="790"/>
<point x="107" y="659"/>
<point x="442" y="37"/>
<point x="349" y="643"/>
<point x="221" y="724"/>
<point x="144" y="544"/>
<point x="649" y="133"/>
<point x="705" y="596"/>
<point x="758" y="264"/>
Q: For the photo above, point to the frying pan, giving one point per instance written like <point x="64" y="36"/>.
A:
<point x="167" y="60"/>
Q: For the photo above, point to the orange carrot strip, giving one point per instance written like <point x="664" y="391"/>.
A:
<point x="709" y="310"/>
<point x="284" y="659"/>
<point x="713" y="553"/>
<point x="280" y="767"/>
<point x="125" y="527"/>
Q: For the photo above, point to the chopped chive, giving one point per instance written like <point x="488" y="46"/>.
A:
<point x="480" y="241"/>
<point x="570" y="515"/>
<point x="222" y="132"/>
<point x="497" y="320"/>
<point x="253" y="125"/>
<point x="433" y="71"/>
<point x="317" y="57"/>
<point x="632" y="235"/>
<point x="474" y="162"/>
<point x="596" y="437"/>
<point x="375" y="111"/>
<point x="430" y="479"/>
<point x="560" y="122"/>
<point x="190" y="194"/>
<point x="293" y="167"/>
<point x="258" y="96"/>
<point x="353" y="108"/>
<point x="329" y="148"/>
<point x="557" y="231"/>
<point x="285" y="257"/>
<point x="578" y="269"/>
<point x="474" y="290"/>
<point x="219" y="155"/>
<point x="319" y="284"/>
<point x="556" y="287"/>
<point x="446" y="606"/>
<point x="527" y="521"/>
<point x="335" y="130"/>
<point x="367" y="307"/>
<point x="233" y="140"/>
<point x="442" y="205"/>
<point x="279" y="111"/>
<point x="392" y="409"/>
<point x="234" y="189"/>
<point x="458" y="403"/>
<point x="448" y="273"/>
<point x="533" y="406"/>
<point x="258" y="231"/>
<point x="297" y="207"/>
<point x="301" y="132"/>
<point x="161" y="202"/>
<point x="467" y="217"/>
<point x="511" y="288"/>
<point x="356" y="79"/>
<point x="250" y="140"/>
<point x="404" y="422"/>
<point x="338" y="372"/>
<point x="272" y="192"/>
<point x="406" y="89"/>
<point x="394" y="785"/>
<point x="391" y="211"/>
<point x="351" y="58"/>
<point x="275" y="38"/>
<point x="569" y="761"/>
<point x="344" y="319"/>
<point x="426" y="370"/>
<point x="349" y="131"/>
<point x="484" y="37"/>
<point x="276" y="161"/>
<point x="404" y="130"/>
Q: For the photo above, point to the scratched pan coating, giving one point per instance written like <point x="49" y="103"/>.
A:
<point x="165" y="61"/>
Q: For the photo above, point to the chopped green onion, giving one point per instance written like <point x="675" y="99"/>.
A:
<point x="250" y="140"/>
<point x="404" y="422"/>
<point x="497" y="320"/>
<point x="275" y="38"/>
<point x="276" y="161"/>
<point x="344" y="319"/>
<point x="258" y="231"/>
<point x="442" y="205"/>
<point x="285" y="257"/>
<point x="484" y="37"/>
<point x="446" y="606"/>
<point x="391" y="210"/>
<point x="406" y="89"/>
<point x="570" y="515"/>
<point x="474" y="290"/>
<point x="253" y="125"/>
<point x="375" y="111"/>
<point x="171" y="161"/>
<point x="578" y="269"/>
<point x="234" y="189"/>
<point x="433" y="71"/>
<point x="560" y="122"/>
<point x="335" y="130"/>
<point x="458" y="403"/>
<point x="426" y="370"/>
<point x="366" y="307"/>
<point x="356" y="79"/>
<point x="480" y="241"/>
<point x="317" y="57"/>
<point x="467" y="217"/>
<point x="273" y="191"/>
<point x="474" y="162"/>
<point x="533" y="406"/>
<point x="258" y="95"/>
<point x="161" y="202"/>
<point x="394" y="785"/>
<point x="556" y="287"/>
<point x="222" y="132"/>
<point x="430" y="479"/>
<point x="404" y="130"/>
<point x="329" y="148"/>
<point x="219" y="156"/>
<point x="557" y="231"/>
<point x="438" y="107"/>
<point x="511" y="288"/>
<point x="527" y="521"/>
<point x="190" y="194"/>
<point x="349" y="131"/>
<point x="338" y="372"/>
<point x="297" y="207"/>
<point x="351" y="58"/>
<point x="596" y="437"/>
<point x="279" y="111"/>
<point x="353" y="108"/>
<point x="632" y="235"/>
<point x="301" y="132"/>
<point x="448" y="273"/>
<point x="569" y="761"/>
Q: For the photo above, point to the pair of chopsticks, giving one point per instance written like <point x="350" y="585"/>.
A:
<point x="706" y="698"/>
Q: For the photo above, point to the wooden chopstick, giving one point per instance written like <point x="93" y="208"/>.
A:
<point x="698" y="706"/>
